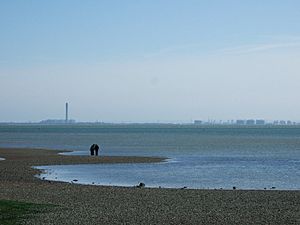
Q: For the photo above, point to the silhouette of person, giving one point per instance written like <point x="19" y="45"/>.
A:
<point x="96" y="149"/>
<point x="92" y="149"/>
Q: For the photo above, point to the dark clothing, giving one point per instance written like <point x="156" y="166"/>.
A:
<point x="94" y="149"/>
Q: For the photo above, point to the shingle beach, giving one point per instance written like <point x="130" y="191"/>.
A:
<point x="87" y="204"/>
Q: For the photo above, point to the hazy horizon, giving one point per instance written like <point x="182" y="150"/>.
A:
<point x="149" y="61"/>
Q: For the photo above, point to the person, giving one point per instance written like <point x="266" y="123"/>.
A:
<point x="92" y="149"/>
<point x="96" y="149"/>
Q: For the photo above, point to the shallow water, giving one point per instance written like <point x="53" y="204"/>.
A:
<point x="201" y="157"/>
<point x="191" y="172"/>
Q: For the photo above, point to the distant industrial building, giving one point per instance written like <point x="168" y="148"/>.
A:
<point x="67" y="112"/>
<point x="198" y="122"/>
<point x="240" y="122"/>
<point x="54" y="121"/>
<point x="260" y="122"/>
<point x="250" y="122"/>
<point x="282" y="122"/>
<point x="60" y="121"/>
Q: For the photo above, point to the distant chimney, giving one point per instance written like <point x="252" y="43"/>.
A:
<point x="67" y="112"/>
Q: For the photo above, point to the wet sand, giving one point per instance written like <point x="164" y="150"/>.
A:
<point x="87" y="204"/>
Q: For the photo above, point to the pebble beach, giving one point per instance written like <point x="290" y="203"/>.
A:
<point x="90" y="204"/>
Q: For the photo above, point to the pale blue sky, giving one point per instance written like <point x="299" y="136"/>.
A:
<point x="149" y="61"/>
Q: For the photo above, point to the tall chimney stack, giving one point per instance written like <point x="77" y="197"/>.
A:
<point x="67" y="112"/>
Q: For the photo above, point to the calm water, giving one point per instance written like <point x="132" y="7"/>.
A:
<point x="200" y="157"/>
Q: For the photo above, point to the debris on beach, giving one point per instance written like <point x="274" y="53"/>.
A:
<point x="141" y="185"/>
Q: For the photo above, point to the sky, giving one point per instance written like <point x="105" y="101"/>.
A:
<point x="149" y="61"/>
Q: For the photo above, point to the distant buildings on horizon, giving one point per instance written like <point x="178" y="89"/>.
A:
<point x="249" y="122"/>
<point x="53" y="121"/>
<point x="239" y="122"/>
<point x="246" y="122"/>
<point x="60" y="121"/>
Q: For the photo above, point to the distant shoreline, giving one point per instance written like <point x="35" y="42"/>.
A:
<point x="152" y="125"/>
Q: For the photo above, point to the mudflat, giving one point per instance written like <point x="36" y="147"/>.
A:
<point x="87" y="204"/>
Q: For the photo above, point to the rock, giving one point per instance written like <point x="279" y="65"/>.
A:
<point x="141" y="185"/>
<point x="75" y="180"/>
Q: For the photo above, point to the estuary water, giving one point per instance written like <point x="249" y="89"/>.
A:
<point x="198" y="156"/>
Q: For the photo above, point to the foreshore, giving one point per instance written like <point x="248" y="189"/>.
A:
<point x="87" y="204"/>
